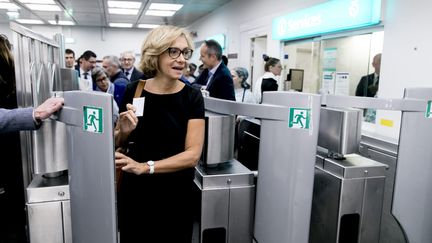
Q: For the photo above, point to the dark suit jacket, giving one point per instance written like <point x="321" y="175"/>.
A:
<point x="137" y="75"/>
<point x="365" y="87"/>
<point x="221" y="85"/>
<point x="120" y="81"/>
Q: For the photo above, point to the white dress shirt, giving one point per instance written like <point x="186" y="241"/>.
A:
<point x="85" y="82"/>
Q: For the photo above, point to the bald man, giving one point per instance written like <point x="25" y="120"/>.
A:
<point x="368" y="85"/>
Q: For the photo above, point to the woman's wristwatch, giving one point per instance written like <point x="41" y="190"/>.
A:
<point x="150" y="163"/>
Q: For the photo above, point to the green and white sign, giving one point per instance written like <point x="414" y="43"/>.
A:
<point x="93" y="119"/>
<point x="299" y="118"/>
<point x="428" y="113"/>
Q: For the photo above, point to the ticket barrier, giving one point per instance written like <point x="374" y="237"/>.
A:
<point x="287" y="146"/>
<point x="348" y="188"/>
<point x="225" y="188"/>
<point x="68" y="163"/>
<point x="412" y="194"/>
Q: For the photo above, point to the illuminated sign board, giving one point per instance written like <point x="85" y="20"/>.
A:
<point x="331" y="16"/>
<point x="220" y="39"/>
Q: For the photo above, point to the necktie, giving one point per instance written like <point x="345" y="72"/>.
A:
<point x="376" y="81"/>
<point x="85" y="75"/>
<point x="210" y="74"/>
<point x="127" y="74"/>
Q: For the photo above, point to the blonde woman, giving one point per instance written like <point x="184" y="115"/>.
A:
<point x="164" y="145"/>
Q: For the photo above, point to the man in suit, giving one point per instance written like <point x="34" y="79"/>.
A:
<point x="368" y="85"/>
<point x="127" y="60"/>
<point x="112" y="65"/>
<point x="87" y="62"/>
<point x="216" y="78"/>
<point x="28" y="118"/>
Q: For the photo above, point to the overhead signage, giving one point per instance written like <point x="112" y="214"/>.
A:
<point x="220" y="38"/>
<point x="331" y="16"/>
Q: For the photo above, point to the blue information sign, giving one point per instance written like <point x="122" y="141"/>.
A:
<point x="331" y="16"/>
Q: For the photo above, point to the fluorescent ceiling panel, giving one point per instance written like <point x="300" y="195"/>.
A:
<point x="29" y="21"/>
<point x="160" y="13"/>
<point x="165" y="6"/>
<point x="123" y="11"/>
<point x="38" y="1"/>
<point x="148" y="26"/>
<point x="124" y="4"/>
<point x="43" y="7"/>
<point x="13" y="15"/>
<point x="120" y="25"/>
<point x="9" y="6"/>
<point x="61" y="22"/>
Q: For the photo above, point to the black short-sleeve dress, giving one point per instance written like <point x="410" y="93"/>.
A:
<point x="158" y="207"/>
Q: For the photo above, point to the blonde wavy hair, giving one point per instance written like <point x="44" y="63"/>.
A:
<point x="156" y="43"/>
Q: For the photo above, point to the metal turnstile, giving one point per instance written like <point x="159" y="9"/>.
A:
<point x="48" y="206"/>
<point x="384" y="150"/>
<point x="227" y="194"/>
<point x="347" y="200"/>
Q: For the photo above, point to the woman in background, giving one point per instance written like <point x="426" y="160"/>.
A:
<point x="268" y="82"/>
<point x="164" y="145"/>
<point x="103" y="84"/>
<point x="241" y="86"/>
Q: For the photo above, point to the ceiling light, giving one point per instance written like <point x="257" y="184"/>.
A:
<point x="43" y="7"/>
<point x="123" y="11"/>
<point x="68" y="11"/>
<point x="9" y="6"/>
<point x="120" y="25"/>
<point x="29" y="21"/>
<point x="61" y="22"/>
<point x="165" y="6"/>
<point x="160" y="13"/>
<point x="148" y="26"/>
<point x="38" y="1"/>
<point x="13" y="15"/>
<point x="123" y="4"/>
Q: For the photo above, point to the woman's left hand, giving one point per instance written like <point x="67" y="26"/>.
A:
<point x="128" y="165"/>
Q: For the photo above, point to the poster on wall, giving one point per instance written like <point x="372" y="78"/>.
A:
<point x="329" y="58"/>
<point x="328" y="82"/>
<point x="342" y="83"/>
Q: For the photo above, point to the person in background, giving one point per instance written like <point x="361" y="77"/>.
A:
<point x="164" y="145"/>
<point x="216" y="78"/>
<point x="111" y="64"/>
<point x="201" y="69"/>
<point x="190" y="72"/>
<point x="225" y="60"/>
<point x="267" y="82"/>
<point x="87" y="62"/>
<point x="127" y="60"/>
<point x="12" y="119"/>
<point x="368" y="85"/>
<point x="103" y="84"/>
<point x="69" y="59"/>
<point x="241" y="86"/>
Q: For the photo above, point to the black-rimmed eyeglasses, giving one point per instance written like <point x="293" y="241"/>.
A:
<point x="174" y="52"/>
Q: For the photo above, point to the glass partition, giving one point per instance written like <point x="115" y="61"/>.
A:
<point x="335" y="65"/>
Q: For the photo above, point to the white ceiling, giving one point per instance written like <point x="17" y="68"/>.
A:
<point x="95" y="12"/>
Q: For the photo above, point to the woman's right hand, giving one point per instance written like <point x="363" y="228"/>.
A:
<point x="128" y="120"/>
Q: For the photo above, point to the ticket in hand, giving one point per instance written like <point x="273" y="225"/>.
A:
<point x="138" y="103"/>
